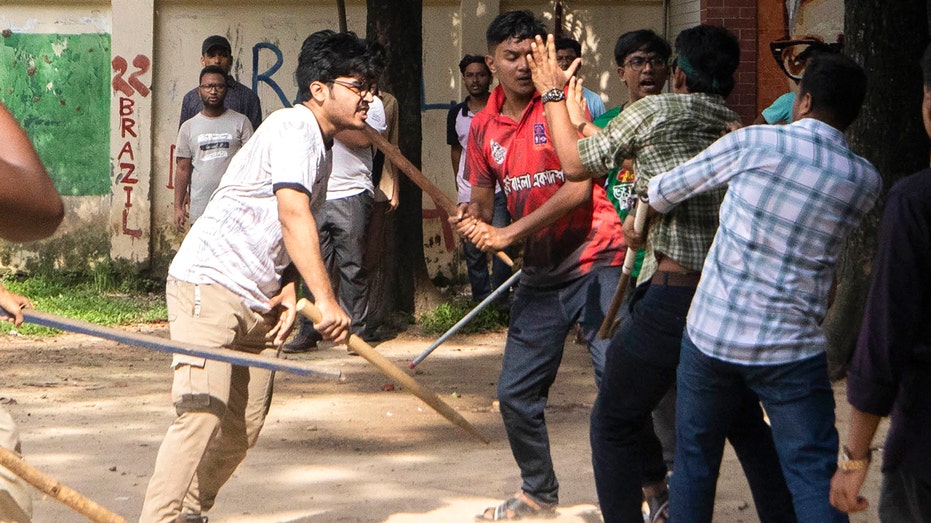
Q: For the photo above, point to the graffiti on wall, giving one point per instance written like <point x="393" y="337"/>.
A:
<point x="128" y="86"/>
<point x="57" y="86"/>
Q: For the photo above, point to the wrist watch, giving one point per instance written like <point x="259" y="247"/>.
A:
<point x="553" y="95"/>
<point x="846" y="463"/>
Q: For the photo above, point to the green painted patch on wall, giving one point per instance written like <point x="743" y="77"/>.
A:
<point x="58" y="87"/>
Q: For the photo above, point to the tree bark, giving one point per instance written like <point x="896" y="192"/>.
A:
<point x="397" y="25"/>
<point x="887" y="39"/>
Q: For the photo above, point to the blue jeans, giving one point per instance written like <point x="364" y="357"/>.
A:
<point x="800" y="403"/>
<point x="477" y="261"/>
<point x="640" y="369"/>
<point x="541" y="318"/>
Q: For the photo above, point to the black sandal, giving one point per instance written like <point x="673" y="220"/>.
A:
<point x="518" y="507"/>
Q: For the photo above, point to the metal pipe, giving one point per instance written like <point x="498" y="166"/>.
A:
<point x="468" y="317"/>
<point x="163" y="345"/>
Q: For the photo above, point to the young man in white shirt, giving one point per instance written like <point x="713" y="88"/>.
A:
<point x="232" y="283"/>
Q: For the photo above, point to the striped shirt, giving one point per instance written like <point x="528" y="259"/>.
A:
<point x="795" y="192"/>
<point x="661" y="132"/>
<point x="237" y="243"/>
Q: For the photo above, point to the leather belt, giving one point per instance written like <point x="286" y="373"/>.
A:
<point x="676" y="279"/>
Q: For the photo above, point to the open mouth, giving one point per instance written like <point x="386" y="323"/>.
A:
<point x="650" y="85"/>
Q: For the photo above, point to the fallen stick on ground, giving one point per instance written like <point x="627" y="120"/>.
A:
<point x="468" y="317"/>
<point x="62" y="493"/>
<point x="164" y="345"/>
<point x="442" y="201"/>
<point x="396" y="373"/>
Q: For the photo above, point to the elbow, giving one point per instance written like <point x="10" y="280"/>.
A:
<point x="574" y="172"/>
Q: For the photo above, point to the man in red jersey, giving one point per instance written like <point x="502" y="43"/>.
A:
<point x="573" y="251"/>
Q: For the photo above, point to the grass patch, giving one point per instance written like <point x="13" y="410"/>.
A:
<point x="448" y="314"/>
<point x="109" y="294"/>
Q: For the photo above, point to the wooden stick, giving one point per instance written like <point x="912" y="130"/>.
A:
<point x="442" y="201"/>
<point x="396" y="373"/>
<point x="163" y="345"/>
<point x="50" y="486"/>
<point x="611" y="322"/>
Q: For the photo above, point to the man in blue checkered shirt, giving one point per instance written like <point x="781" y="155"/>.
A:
<point x="794" y="193"/>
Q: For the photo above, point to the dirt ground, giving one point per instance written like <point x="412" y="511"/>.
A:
<point x="92" y="414"/>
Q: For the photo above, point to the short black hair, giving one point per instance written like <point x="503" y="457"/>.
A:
<point x="518" y="25"/>
<point x="709" y="56"/>
<point x="326" y="55"/>
<point x="470" y="59"/>
<point x="640" y="40"/>
<point x="837" y="86"/>
<point x="926" y="66"/>
<point x="213" y="69"/>
<point x="569" y="43"/>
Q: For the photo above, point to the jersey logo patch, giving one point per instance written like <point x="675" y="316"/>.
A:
<point x="539" y="134"/>
<point x="498" y="152"/>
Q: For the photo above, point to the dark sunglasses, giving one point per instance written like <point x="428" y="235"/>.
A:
<point x="792" y="55"/>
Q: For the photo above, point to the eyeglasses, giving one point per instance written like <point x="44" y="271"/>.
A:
<point x="213" y="87"/>
<point x="638" y="63"/>
<point x="359" y="90"/>
<point x="792" y="55"/>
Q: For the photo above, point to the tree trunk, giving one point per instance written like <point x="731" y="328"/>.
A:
<point x="397" y="25"/>
<point x="888" y="39"/>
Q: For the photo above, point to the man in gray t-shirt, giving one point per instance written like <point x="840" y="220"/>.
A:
<point x="205" y="145"/>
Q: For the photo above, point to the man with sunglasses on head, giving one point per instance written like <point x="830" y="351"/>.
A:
<point x="232" y="284"/>
<point x="216" y="50"/>
<point x="659" y="133"/>
<point x="792" y="56"/>
<point x="206" y="143"/>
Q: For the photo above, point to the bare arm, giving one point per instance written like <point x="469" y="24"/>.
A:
<point x="547" y="76"/>
<point x="30" y="207"/>
<point x="284" y="305"/>
<point x="183" y="169"/>
<point x="488" y="238"/>
<point x="482" y="203"/>
<point x="299" y="230"/>
<point x="12" y="305"/>
<point x="846" y="484"/>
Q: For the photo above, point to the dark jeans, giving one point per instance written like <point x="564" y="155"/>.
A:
<point x="342" y="245"/>
<point x="800" y="403"/>
<point x="541" y="318"/>
<point x="477" y="261"/>
<point x="639" y="370"/>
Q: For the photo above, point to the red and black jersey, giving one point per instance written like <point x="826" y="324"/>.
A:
<point x="520" y="156"/>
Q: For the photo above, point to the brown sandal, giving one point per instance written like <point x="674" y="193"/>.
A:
<point x="518" y="507"/>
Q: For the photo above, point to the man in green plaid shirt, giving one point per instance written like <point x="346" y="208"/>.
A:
<point x="659" y="133"/>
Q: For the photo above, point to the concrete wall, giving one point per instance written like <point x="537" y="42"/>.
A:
<point x="112" y="157"/>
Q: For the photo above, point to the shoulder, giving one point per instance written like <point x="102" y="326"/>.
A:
<point x="913" y="188"/>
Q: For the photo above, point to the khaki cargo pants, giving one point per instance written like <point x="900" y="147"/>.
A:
<point x="220" y="407"/>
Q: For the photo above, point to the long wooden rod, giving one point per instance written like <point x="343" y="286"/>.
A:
<point x="396" y="373"/>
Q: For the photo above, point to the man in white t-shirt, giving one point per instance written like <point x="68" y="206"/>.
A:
<point x="206" y="143"/>
<point x="233" y="282"/>
<point x="350" y="193"/>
